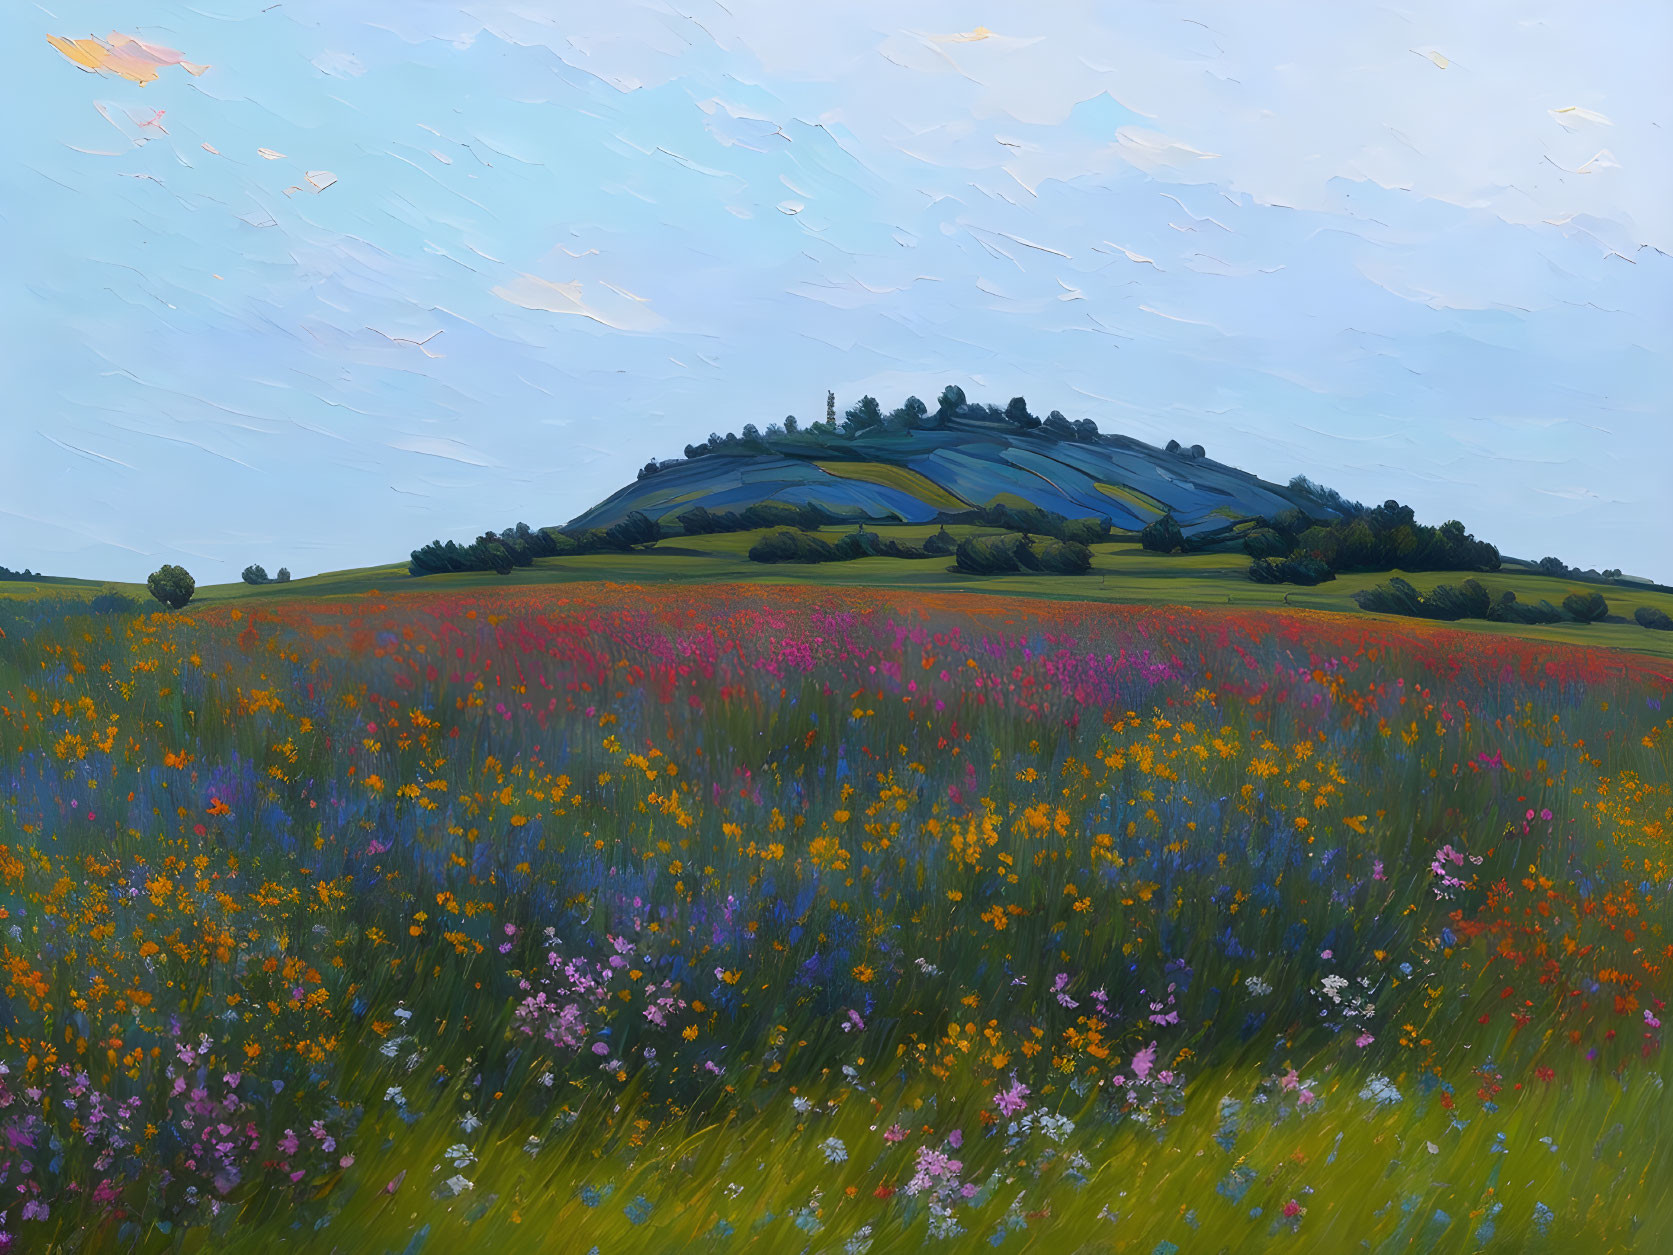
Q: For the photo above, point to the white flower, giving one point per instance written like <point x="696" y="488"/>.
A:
<point x="393" y="1094"/>
<point x="1379" y="1089"/>
<point x="460" y="1154"/>
<point x="802" y="1105"/>
<point x="458" y="1184"/>
<point x="402" y="1014"/>
<point x="1257" y="986"/>
<point x="860" y="1243"/>
<point x="835" y="1151"/>
<point x="1056" y="1127"/>
<point x="470" y="1123"/>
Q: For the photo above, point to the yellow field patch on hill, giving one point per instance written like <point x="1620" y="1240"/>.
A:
<point x="1132" y="497"/>
<point x="897" y="477"/>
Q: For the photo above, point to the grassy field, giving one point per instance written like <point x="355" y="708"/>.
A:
<point x="1122" y="574"/>
<point x="661" y="918"/>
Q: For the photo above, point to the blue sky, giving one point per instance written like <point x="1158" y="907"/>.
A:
<point x="385" y="273"/>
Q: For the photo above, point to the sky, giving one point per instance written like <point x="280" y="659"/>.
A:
<point x="311" y="283"/>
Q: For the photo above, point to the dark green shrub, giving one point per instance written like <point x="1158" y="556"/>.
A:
<point x="1469" y="600"/>
<point x="1587" y="607"/>
<point x="282" y="575"/>
<point x="941" y="544"/>
<point x="787" y="546"/>
<point x="1087" y="531"/>
<point x="1065" y="557"/>
<point x="777" y="514"/>
<point x="635" y="529"/>
<point x="1299" y="569"/>
<point x="1655" y="620"/>
<point x="1265" y="542"/>
<point x="113" y="602"/>
<point x="1395" y="597"/>
<point x="1162" y="535"/>
<point x="255" y="574"/>
<point x="996" y="555"/>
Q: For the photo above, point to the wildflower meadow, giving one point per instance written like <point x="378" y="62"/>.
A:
<point x="626" y="919"/>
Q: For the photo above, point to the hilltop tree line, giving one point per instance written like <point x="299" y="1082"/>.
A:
<point x="6" y="573"/>
<point x="867" y="417"/>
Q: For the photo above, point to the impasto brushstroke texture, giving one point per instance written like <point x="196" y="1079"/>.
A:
<point x="414" y="261"/>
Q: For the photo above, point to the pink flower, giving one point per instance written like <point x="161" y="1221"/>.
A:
<point x="1364" y="1040"/>
<point x="955" y="1139"/>
<point x="1324" y="954"/>
<point x="1377" y="870"/>
<point x="894" y="1133"/>
<point x="1144" y="1061"/>
<point x="1292" y="1209"/>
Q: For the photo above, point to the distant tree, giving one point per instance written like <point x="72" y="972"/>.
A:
<point x="790" y="426"/>
<point x="171" y="585"/>
<point x="255" y="574"/>
<point x="1198" y="452"/>
<point x="949" y="405"/>
<point x="1553" y="566"/>
<point x="1086" y="429"/>
<point x="1652" y="618"/>
<point x="1059" y="426"/>
<point x="1162" y="535"/>
<point x="751" y="432"/>
<point x="1016" y="413"/>
<point x="909" y="417"/>
<point x="282" y="576"/>
<point x="830" y="410"/>
<point x="1173" y="446"/>
<point x="864" y="415"/>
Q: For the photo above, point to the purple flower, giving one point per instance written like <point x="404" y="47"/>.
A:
<point x="1012" y="1100"/>
<point x="1144" y="1061"/>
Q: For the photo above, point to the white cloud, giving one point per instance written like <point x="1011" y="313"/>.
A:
<point x="614" y="307"/>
